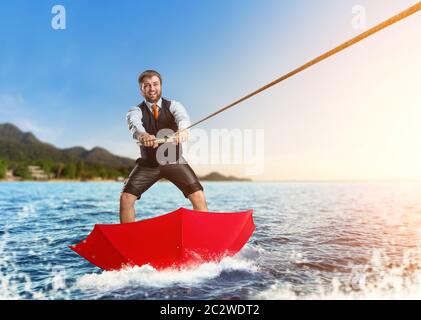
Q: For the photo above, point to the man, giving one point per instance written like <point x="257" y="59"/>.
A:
<point x="146" y="121"/>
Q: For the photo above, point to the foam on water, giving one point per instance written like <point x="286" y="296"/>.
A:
<point x="379" y="279"/>
<point x="297" y="252"/>
<point x="15" y="284"/>
<point x="147" y="276"/>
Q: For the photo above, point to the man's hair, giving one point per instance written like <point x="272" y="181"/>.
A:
<point x="148" y="74"/>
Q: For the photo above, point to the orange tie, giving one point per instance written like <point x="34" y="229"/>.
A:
<point x="155" y="111"/>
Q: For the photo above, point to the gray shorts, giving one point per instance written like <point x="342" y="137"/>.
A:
<point x="143" y="176"/>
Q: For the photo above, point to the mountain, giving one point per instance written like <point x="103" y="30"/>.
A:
<point x="216" y="176"/>
<point x="16" y="145"/>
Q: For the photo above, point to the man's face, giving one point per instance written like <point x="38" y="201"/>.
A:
<point x="151" y="89"/>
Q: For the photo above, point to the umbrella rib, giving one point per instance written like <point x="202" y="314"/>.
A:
<point x="241" y="230"/>
<point x="112" y="245"/>
<point x="181" y="235"/>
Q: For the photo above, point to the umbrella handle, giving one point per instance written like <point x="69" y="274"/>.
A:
<point x="163" y="140"/>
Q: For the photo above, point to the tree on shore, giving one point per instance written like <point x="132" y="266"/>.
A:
<point x="70" y="171"/>
<point x="3" y="168"/>
<point x="63" y="170"/>
<point x="80" y="168"/>
<point x="21" y="170"/>
<point x="46" y="165"/>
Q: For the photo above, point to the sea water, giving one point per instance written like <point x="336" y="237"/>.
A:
<point x="312" y="241"/>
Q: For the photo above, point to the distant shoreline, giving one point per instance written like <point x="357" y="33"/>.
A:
<point x="112" y="180"/>
<point x="254" y="181"/>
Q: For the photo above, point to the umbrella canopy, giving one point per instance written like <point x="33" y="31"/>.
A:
<point x="179" y="238"/>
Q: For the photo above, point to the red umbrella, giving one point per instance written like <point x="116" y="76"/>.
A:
<point x="179" y="238"/>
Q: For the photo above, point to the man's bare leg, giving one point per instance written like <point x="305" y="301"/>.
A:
<point x="198" y="201"/>
<point x="127" y="211"/>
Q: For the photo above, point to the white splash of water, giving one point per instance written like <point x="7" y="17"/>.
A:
<point x="15" y="284"/>
<point x="8" y="288"/>
<point x="150" y="277"/>
<point x="379" y="279"/>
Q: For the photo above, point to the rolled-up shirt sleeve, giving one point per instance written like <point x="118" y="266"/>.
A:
<point x="134" y="122"/>
<point x="180" y="114"/>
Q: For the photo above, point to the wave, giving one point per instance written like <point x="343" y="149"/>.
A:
<point x="379" y="279"/>
<point x="147" y="276"/>
<point x="16" y="284"/>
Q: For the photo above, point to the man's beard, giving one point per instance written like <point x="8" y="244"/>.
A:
<point x="159" y="95"/>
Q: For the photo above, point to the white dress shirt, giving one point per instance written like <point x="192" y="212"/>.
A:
<point x="134" y="120"/>
<point x="134" y="117"/>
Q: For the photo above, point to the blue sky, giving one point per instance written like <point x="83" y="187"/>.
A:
<point x="91" y="68"/>
<point x="73" y="87"/>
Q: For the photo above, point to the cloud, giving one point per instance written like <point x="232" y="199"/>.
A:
<point x="14" y="109"/>
<point x="10" y="104"/>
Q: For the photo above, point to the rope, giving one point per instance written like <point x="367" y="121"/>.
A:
<point x="404" y="14"/>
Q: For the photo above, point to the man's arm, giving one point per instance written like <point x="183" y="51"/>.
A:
<point x="182" y="119"/>
<point x="138" y="131"/>
<point x="134" y="122"/>
<point x="180" y="114"/>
